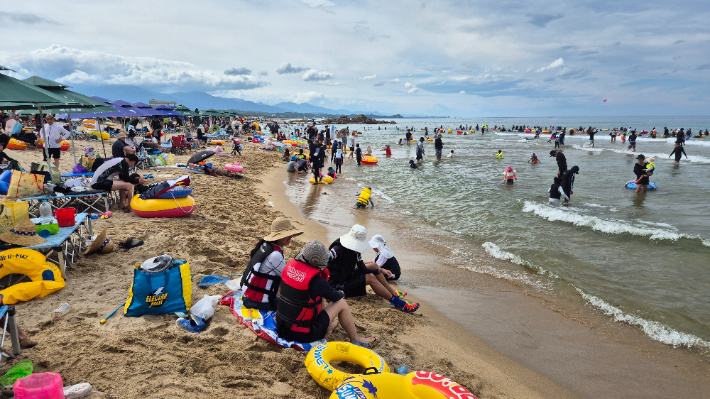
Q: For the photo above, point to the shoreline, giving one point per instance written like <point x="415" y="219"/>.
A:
<point x="535" y="337"/>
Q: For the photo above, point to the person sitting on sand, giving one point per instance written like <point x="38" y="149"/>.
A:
<point x="304" y="285"/>
<point x="117" y="167"/>
<point x="262" y="276"/>
<point x="348" y="273"/>
<point x="385" y="261"/>
<point x="219" y="152"/>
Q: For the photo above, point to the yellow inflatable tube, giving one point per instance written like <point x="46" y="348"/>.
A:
<point x="326" y="179"/>
<point x="46" y="277"/>
<point x="319" y="358"/>
<point x="416" y="385"/>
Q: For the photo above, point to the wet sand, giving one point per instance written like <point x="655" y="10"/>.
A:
<point x="555" y="349"/>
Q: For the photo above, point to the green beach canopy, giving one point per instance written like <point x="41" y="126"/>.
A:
<point x="185" y="111"/>
<point x="16" y="94"/>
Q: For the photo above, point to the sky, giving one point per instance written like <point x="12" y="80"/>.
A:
<point x="447" y="57"/>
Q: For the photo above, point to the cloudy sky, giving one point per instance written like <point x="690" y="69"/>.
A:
<point x="445" y="57"/>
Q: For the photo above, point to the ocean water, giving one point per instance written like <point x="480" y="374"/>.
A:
<point x="642" y="260"/>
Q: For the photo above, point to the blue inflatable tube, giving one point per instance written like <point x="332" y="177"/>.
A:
<point x="651" y="186"/>
<point x="174" y="194"/>
<point x="5" y="181"/>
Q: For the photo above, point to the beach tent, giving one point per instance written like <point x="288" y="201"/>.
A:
<point x="60" y="90"/>
<point x="185" y="111"/>
<point x="200" y="156"/>
<point x="16" y="94"/>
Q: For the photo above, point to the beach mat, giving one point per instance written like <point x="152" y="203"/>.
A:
<point x="261" y="322"/>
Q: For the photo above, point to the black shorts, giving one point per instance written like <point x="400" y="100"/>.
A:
<point x="644" y="181"/>
<point x="356" y="286"/>
<point x="317" y="333"/>
<point x="394" y="277"/>
<point x="509" y="181"/>
<point x="103" y="185"/>
<point x="53" y="152"/>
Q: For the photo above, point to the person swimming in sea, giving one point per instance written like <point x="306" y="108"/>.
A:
<point x="499" y="155"/>
<point x="509" y="175"/>
<point x="533" y="159"/>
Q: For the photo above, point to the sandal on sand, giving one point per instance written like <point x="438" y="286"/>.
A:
<point x="401" y="294"/>
<point x="130" y="243"/>
<point x="77" y="391"/>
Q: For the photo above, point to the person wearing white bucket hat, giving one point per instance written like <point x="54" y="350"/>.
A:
<point x="349" y="273"/>
<point x="385" y="261"/>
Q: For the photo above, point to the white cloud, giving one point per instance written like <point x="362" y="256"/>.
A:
<point x="371" y="77"/>
<point x="263" y="73"/>
<point x="237" y="71"/>
<point x="555" y="64"/>
<point x="412" y="88"/>
<point x="394" y="81"/>
<point x="408" y="85"/>
<point x="307" y="97"/>
<point x="462" y="92"/>
<point x="313" y="75"/>
<point x="287" y="68"/>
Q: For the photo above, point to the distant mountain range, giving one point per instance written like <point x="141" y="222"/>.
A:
<point x="203" y="101"/>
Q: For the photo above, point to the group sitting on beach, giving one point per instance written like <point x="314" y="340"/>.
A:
<point x="296" y="289"/>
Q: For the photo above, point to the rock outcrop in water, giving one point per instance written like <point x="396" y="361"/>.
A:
<point x="360" y="119"/>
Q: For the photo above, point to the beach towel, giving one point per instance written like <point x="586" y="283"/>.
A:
<point x="158" y="188"/>
<point x="262" y="322"/>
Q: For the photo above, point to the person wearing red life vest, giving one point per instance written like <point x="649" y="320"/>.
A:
<point x="299" y="315"/>
<point x="261" y="279"/>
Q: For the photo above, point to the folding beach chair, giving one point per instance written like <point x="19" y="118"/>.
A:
<point x="9" y="322"/>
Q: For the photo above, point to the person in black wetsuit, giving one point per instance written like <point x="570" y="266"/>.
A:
<point x="561" y="161"/>
<point x="348" y="273"/>
<point x="384" y="259"/>
<point x="408" y="135"/>
<point x="567" y="181"/>
<point x="641" y="174"/>
<point x="679" y="151"/>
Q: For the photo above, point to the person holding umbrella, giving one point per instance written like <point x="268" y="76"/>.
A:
<point x="53" y="136"/>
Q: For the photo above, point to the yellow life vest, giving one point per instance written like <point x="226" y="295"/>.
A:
<point x="499" y="155"/>
<point x="650" y="167"/>
<point x="364" y="197"/>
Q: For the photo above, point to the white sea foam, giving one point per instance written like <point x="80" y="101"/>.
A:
<point x="661" y="156"/>
<point x="383" y="195"/>
<point x="586" y="148"/>
<point x="606" y="226"/>
<point x="498" y="253"/>
<point x="653" y="329"/>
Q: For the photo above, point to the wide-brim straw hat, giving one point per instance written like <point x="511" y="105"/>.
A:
<point x="24" y="234"/>
<point x="282" y="228"/>
<point x="356" y="239"/>
<point x="101" y="245"/>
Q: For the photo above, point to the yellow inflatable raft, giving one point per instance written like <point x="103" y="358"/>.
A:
<point x="46" y="277"/>
<point x="326" y="179"/>
<point x="416" y="385"/>
<point x="319" y="359"/>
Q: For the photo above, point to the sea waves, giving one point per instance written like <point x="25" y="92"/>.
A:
<point x="611" y="226"/>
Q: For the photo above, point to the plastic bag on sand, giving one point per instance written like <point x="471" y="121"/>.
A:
<point x="204" y="308"/>
<point x="234" y="284"/>
<point x="22" y="369"/>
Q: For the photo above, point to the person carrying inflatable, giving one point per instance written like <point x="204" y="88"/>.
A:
<point x="642" y="176"/>
<point x="499" y="154"/>
<point x="261" y="279"/>
<point x="348" y="273"/>
<point x="534" y="159"/>
<point x="364" y="199"/>
<point x="299" y="316"/>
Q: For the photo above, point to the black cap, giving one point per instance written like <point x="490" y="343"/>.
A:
<point x="552" y="153"/>
<point x="640" y="156"/>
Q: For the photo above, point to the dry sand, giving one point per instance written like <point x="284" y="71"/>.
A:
<point x="152" y="357"/>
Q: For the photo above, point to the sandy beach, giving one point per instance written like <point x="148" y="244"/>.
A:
<point x="152" y="357"/>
